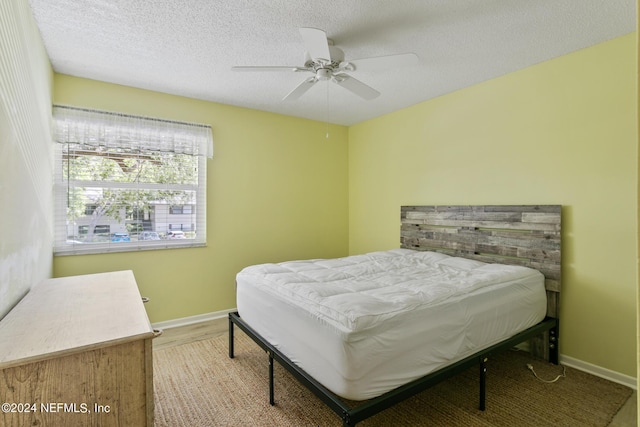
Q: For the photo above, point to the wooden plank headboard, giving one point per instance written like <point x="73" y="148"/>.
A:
<point x="521" y="235"/>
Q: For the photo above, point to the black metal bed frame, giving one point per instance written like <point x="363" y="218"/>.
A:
<point x="352" y="415"/>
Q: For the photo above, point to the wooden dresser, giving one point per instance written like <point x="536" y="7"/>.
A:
<point x="76" y="351"/>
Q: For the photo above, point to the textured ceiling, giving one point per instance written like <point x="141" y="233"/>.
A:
<point x="187" y="47"/>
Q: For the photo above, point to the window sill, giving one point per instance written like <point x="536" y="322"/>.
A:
<point x="90" y="249"/>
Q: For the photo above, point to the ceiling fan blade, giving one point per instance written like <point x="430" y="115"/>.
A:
<point x="355" y="86"/>
<point x="381" y="62"/>
<point x="300" y="89"/>
<point x="316" y="43"/>
<point x="268" y="68"/>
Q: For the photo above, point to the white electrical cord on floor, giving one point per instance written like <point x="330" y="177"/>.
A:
<point x="564" y="374"/>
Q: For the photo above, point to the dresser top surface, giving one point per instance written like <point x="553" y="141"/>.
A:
<point x="71" y="314"/>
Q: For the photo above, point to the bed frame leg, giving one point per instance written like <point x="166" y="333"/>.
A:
<point x="231" y="351"/>
<point x="271" y="399"/>
<point x="483" y="381"/>
<point x="554" y="345"/>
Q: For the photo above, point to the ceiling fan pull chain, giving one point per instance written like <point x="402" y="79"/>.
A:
<point x="327" y="111"/>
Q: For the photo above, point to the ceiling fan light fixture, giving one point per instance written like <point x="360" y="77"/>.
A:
<point x="324" y="74"/>
<point x="346" y="66"/>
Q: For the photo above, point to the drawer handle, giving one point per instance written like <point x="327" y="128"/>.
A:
<point x="157" y="333"/>
<point x="145" y="299"/>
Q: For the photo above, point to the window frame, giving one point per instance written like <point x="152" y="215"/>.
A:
<point x="65" y="244"/>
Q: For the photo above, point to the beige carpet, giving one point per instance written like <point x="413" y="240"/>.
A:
<point x="196" y="384"/>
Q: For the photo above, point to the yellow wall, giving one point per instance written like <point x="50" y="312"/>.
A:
<point x="276" y="190"/>
<point x="638" y="201"/>
<point x="561" y="132"/>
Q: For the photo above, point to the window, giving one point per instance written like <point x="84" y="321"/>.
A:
<point x="179" y="210"/>
<point x="90" y="209"/>
<point x="121" y="178"/>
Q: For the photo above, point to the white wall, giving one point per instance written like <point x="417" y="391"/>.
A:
<point x="26" y="81"/>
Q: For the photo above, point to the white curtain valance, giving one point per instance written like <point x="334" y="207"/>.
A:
<point x="122" y="131"/>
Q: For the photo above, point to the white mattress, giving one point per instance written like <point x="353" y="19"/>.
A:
<point x="365" y="324"/>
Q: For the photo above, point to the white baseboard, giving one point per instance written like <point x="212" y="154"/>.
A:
<point x="592" y="369"/>
<point x="571" y="362"/>
<point x="599" y="371"/>
<point x="183" y="321"/>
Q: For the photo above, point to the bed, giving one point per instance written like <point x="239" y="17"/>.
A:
<point x="466" y="281"/>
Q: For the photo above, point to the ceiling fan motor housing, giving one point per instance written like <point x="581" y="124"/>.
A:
<point x="337" y="56"/>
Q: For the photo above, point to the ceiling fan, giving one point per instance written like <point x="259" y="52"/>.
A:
<point x="326" y="62"/>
